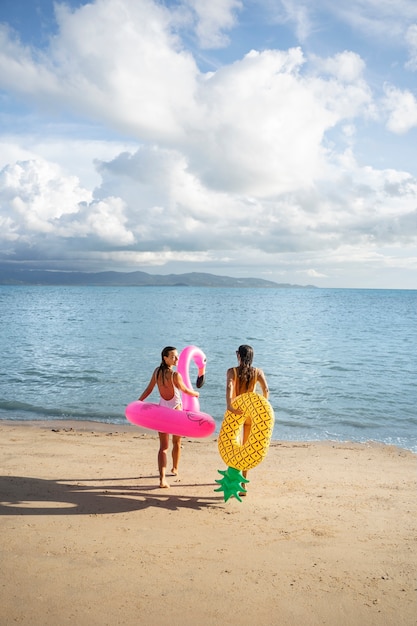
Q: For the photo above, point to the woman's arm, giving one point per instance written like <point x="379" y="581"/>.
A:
<point x="263" y="383"/>
<point x="231" y="391"/>
<point x="149" y="388"/>
<point x="178" y="382"/>
<point x="230" y="388"/>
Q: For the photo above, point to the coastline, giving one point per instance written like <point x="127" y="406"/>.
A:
<point x="327" y="532"/>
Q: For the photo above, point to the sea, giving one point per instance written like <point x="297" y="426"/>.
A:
<point x="341" y="364"/>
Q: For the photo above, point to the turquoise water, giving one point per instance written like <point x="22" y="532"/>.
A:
<point x="341" y="363"/>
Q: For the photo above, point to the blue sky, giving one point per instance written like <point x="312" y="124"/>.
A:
<point x="268" y="138"/>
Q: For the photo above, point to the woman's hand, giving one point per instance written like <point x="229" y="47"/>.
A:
<point x="235" y="411"/>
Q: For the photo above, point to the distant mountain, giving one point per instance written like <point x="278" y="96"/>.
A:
<point x="132" y="279"/>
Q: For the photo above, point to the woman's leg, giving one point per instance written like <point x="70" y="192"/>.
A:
<point x="162" y="458"/>
<point x="176" y="453"/>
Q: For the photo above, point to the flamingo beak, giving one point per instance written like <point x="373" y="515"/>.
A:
<point x="200" y="377"/>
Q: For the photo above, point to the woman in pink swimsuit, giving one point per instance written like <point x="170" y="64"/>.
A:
<point x="170" y="384"/>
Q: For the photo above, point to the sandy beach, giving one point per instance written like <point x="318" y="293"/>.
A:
<point x="326" y="535"/>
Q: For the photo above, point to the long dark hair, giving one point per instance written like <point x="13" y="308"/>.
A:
<point x="245" y="371"/>
<point x="163" y="368"/>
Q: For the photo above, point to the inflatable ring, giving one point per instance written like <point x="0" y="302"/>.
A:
<point x="166" y="420"/>
<point x="190" y="422"/>
<point x="250" y="454"/>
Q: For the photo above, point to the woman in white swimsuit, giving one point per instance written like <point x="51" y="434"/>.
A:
<point x="240" y="380"/>
<point x="170" y="384"/>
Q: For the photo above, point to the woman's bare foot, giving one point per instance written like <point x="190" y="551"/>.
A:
<point x="163" y="484"/>
<point x="174" y="471"/>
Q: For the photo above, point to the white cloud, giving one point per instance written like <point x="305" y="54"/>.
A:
<point x="382" y="19"/>
<point x="35" y="194"/>
<point x="312" y="273"/>
<point x="117" y="62"/>
<point x="411" y="39"/>
<point x="216" y="167"/>
<point x="256" y="141"/>
<point x="153" y="209"/>
<point x="295" y="12"/>
<point x="347" y="66"/>
<point x="376" y="18"/>
<point x="104" y="220"/>
<point x="67" y="146"/>
<point x="36" y="199"/>
<point x="260" y="121"/>
<point x="213" y="18"/>
<point x="402" y="109"/>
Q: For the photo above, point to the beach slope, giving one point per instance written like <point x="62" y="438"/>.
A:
<point x="326" y="535"/>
